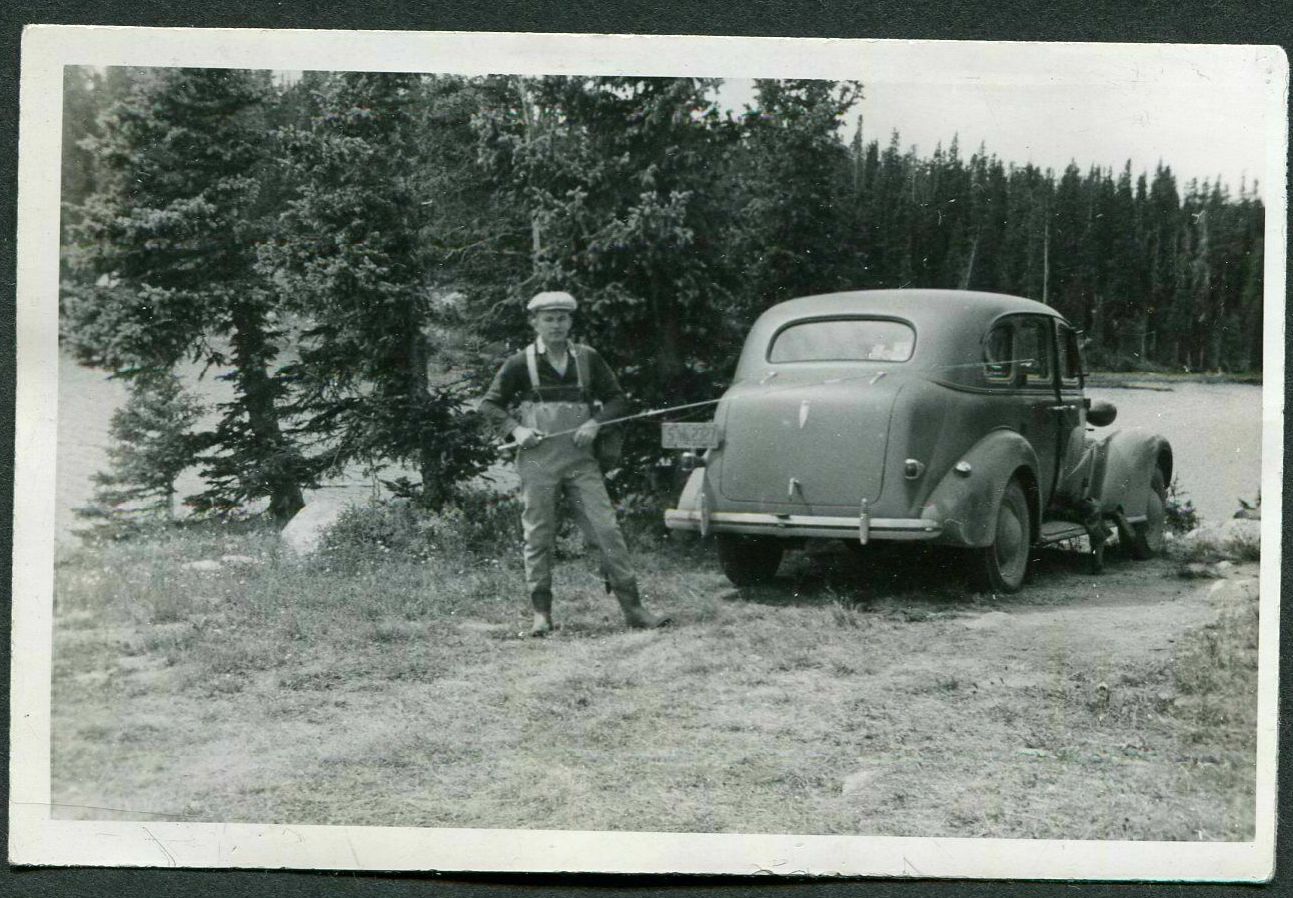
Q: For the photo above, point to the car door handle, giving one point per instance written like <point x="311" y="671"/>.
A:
<point x="1061" y="408"/>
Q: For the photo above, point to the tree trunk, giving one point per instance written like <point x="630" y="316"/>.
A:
<point x="1046" y="261"/>
<point x="434" y="489"/>
<point x="276" y="460"/>
<point x="968" y="272"/>
<point x="530" y="116"/>
<point x="668" y="356"/>
<point x="1097" y="321"/>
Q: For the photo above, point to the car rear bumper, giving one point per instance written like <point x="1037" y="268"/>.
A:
<point x="861" y="528"/>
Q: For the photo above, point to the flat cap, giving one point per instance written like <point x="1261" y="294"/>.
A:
<point x="558" y="300"/>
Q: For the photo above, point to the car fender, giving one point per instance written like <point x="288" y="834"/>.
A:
<point x="965" y="503"/>
<point x="697" y="496"/>
<point x="1132" y="455"/>
<point x="689" y="500"/>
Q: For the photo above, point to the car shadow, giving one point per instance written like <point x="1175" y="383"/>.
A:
<point x="916" y="575"/>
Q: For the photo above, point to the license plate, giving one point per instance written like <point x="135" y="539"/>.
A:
<point x="689" y="435"/>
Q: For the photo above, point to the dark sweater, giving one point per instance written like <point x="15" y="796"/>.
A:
<point x="511" y="385"/>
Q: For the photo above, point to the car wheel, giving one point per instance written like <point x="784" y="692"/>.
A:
<point x="1149" y="536"/>
<point x="749" y="560"/>
<point x="1002" y="566"/>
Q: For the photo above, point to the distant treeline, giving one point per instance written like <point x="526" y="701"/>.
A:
<point x="1155" y="278"/>
<point x="387" y="228"/>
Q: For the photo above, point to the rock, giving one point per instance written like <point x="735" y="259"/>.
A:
<point x="989" y="621"/>
<point x="240" y="560"/>
<point x="206" y="565"/>
<point x="1034" y="752"/>
<point x="858" y="780"/>
<point x="1242" y="528"/>
<point x="1214" y="533"/>
<point x="304" y="533"/>
<point x="1197" y="570"/>
<point x="1241" y="531"/>
<point x="1206" y="533"/>
<point x="1250" y="512"/>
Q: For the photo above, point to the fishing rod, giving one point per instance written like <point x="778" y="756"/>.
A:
<point x="873" y="376"/>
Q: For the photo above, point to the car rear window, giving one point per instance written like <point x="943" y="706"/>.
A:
<point x="844" y="340"/>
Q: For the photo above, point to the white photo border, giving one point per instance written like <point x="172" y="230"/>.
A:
<point x="36" y="839"/>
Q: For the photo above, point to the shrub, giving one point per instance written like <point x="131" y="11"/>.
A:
<point x="1182" y="517"/>
<point x="478" y="524"/>
<point x="491" y="522"/>
<point x="1246" y="546"/>
<point x="641" y="517"/>
<point x="368" y="534"/>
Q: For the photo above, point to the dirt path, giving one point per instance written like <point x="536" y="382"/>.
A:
<point x="1049" y="714"/>
<point x="1122" y="618"/>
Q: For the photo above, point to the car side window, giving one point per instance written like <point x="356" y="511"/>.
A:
<point x="1070" y="356"/>
<point x="999" y="354"/>
<point x="1035" y="352"/>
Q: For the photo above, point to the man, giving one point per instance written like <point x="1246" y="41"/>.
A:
<point x="554" y="427"/>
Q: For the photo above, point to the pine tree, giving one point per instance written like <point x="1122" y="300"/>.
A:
<point x="1125" y="297"/>
<point x="621" y="185"/>
<point x="80" y="120"/>
<point x="1247" y="352"/>
<point x="165" y="264"/>
<point x="153" y="441"/>
<point x="364" y="254"/>
<point x="792" y="210"/>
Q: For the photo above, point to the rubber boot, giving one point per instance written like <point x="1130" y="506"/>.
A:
<point x="635" y="615"/>
<point x="541" y="602"/>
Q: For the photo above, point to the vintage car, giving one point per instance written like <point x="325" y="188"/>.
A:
<point x="950" y="417"/>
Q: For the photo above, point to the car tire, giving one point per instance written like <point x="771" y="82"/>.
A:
<point x="1149" y="536"/>
<point x="1001" y="566"/>
<point x="749" y="560"/>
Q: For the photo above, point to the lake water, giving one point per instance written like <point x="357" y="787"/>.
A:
<point x="87" y="399"/>
<point x="1215" y="431"/>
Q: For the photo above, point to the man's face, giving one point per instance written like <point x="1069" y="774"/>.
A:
<point x="552" y="325"/>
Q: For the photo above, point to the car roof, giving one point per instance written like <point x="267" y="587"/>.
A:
<point x="922" y="307"/>
<point x="950" y="324"/>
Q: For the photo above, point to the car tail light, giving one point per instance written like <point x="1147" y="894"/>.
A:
<point x="691" y="461"/>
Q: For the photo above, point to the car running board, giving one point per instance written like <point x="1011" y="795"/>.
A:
<point x="1058" y="531"/>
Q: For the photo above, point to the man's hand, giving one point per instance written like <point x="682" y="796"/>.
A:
<point x="526" y="437"/>
<point x="586" y="433"/>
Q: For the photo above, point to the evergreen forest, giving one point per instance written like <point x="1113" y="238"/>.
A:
<point x="352" y="251"/>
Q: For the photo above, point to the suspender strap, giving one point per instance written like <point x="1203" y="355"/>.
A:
<point x="532" y="363"/>
<point x="580" y="354"/>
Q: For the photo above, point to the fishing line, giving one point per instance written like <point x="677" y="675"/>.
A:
<point x="873" y="376"/>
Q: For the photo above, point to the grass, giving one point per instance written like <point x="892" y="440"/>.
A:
<point x="841" y="699"/>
